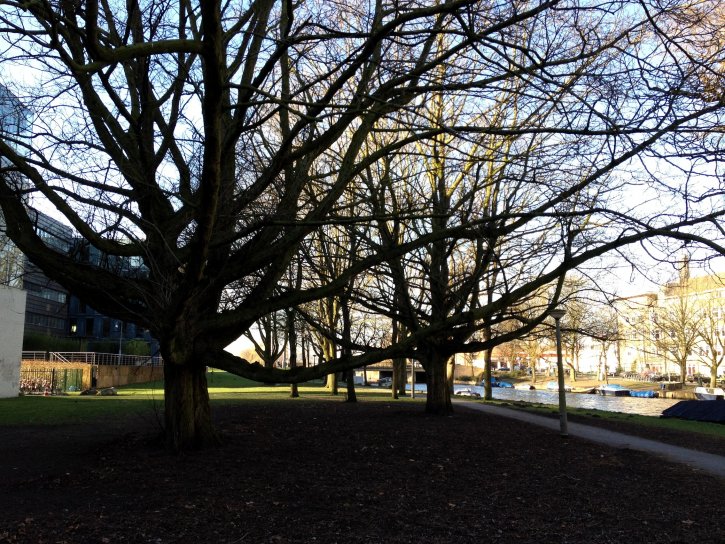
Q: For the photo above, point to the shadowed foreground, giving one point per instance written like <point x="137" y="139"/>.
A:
<point x="326" y="471"/>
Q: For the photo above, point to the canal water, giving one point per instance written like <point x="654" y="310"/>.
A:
<point x="627" y="405"/>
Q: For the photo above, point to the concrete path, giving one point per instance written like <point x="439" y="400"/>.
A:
<point x="714" y="464"/>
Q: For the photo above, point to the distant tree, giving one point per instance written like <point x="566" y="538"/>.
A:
<point x="677" y="327"/>
<point x="11" y="261"/>
<point x="605" y="332"/>
<point x="269" y="338"/>
<point x="710" y="329"/>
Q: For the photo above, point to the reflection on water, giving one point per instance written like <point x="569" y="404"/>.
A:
<point x="628" y="405"/>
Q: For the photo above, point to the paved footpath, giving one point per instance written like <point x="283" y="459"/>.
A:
<point x="714" y="464"/>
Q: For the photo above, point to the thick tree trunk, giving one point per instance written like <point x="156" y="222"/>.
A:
<point x="331" y="384"/>
<point x="329" y="352"/>
<point x="399" y="363"/>
<point x="399" y="377"/>
<point x="187" y="415"/>
<point x="438" y="398"/>
<point x="713" y="376"/>
<point x="350" y="383"/>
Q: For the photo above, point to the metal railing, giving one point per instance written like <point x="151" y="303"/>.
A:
<point x="91" y="358"/>
<point x="35" y="356"/>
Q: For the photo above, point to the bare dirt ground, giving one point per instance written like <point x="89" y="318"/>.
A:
<point x="326" y="471"/>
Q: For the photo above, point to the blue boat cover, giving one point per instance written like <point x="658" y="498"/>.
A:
<point x="698" y="410"/>
<point x="645" y="393"/>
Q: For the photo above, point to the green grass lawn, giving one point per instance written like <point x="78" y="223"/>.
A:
<point x="147" y="398"/>
<point x="714" y="429"/>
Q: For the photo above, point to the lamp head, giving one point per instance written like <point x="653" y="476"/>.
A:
<point x="557" y="313"/>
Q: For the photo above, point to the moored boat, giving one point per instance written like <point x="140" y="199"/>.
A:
<point x="613" y="390"/>
<point x="554" y="386"/>
<point x="586" y="390"/>
<point x="495" y="382"/>
<point x="698" y="410"/>
<point x="644" y="394"/>
<point x="709" y="393"/>
<point x="524" y="386"/>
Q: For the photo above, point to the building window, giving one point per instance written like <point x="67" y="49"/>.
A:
<point x="44" y="321"/>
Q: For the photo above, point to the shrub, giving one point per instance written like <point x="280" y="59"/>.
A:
<point x="34" y="341"/>
<point x="137" y="347"/>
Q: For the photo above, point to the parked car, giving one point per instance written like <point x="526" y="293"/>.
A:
<point x="503" y="369"/>
<point x="385" y="382"/>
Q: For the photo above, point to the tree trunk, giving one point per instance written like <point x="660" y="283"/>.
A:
<point x="187" y="415"/>
<point x="399" y="363"/>
<point x="351" y="395"/>
<point x="450" y="373"/>
<point x="328" y="353"/>
<point x="331" y="384"/>
<point x="292" y="342"/>
<point x="399" y="377"/>
<point x="487" y="390"/>
<point x="438" y="398"/>
<point x="713" y="375"/>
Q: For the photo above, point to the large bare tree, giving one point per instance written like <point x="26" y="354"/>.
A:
<point x="197" y="147"/>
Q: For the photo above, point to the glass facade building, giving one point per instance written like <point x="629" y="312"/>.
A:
<point x="15" y="131"/>
<point x="50" y="308"/>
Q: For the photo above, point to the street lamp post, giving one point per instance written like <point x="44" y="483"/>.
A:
<point x="557" y="314"/>
<point x="120" y="340"/>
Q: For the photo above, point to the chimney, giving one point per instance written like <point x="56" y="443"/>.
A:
<point x="684" y="269"/>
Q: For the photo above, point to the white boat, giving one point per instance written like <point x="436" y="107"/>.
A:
<point x="613" y="390"/>
<point x="467" y="392"/>
<point x="524" y="386"/>
<point x="554" y="386"/>
<point x="709" y="393"/>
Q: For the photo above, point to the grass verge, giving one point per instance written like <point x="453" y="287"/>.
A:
<point x="226" y="388"/>
<point x="713" y="429"/>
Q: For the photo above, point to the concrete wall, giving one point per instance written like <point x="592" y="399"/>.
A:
<point x="113" y="376"/>
<point x="12" y="322"/>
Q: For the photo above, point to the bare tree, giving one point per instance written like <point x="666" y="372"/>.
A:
<point x="605" y="332"/>
<point x="711" y="335"/>
<point x="269" y="337"/>
<point x="534" y="345"/>
<point x="677" y="327"/>
<point x="201" y="146"/>
<point x="166" y="137"/>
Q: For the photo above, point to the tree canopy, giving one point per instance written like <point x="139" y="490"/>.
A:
<point x="470" y="152"/>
